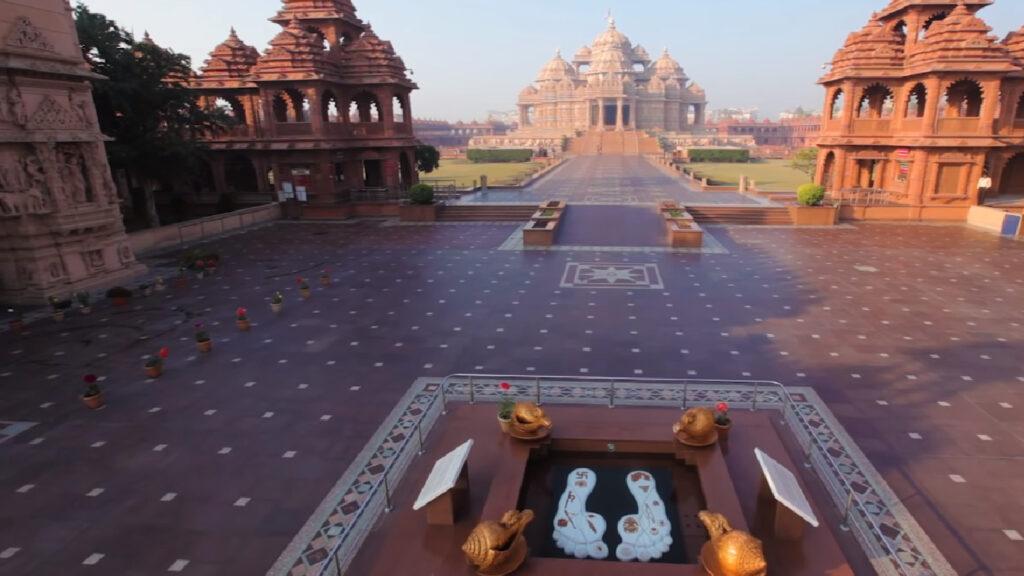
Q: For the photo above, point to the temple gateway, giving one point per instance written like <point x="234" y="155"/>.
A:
<point x="612" y="85"/>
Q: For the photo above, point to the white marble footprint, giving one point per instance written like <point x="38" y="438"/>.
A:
<point x="578" y="532"/>
<point x="647" y="534"/>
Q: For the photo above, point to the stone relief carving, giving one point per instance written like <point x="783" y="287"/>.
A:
<point x="24" y="34"/>
<point x="23" y="187"/>
<point x="12" y="108"/>
<point x="73" y="174"/>
<point x="50" y="115"/>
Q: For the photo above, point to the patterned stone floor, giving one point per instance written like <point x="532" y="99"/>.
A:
<point x="910" y="334"/>
<point x="608" y="180"/>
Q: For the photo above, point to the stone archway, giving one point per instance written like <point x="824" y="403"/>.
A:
<point x="1012" y="181"/>
<point x="828" y="172"/>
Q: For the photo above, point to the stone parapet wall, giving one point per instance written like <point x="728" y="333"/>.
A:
<point x="178" y="235"/>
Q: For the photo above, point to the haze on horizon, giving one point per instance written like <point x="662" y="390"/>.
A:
<point x="470" y="57"/>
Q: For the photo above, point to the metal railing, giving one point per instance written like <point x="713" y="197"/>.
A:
<point x="684" y="393"/>
<point x="861" y="197"/>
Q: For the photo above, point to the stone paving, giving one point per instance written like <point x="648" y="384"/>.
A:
<point x="614" y="180"/>
<point x="911" y="334"/>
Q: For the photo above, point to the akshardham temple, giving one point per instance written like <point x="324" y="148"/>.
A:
<point x="323" y="115"/>
<point x="612" y="85"/>
<point x="925" y="107"/>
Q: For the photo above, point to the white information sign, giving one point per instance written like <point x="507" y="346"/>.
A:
<point x="444" y="475"/>
<point x="785" y="487"/>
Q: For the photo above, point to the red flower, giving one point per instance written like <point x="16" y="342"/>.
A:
<point x="506" y="386"/>
<point x="211" y="262"/>
<point x="722" y="407"/>
<point x="89" y="378"/>
<point x="200" y="264"/>
<point x="164" y="352"/>
<point x="299" y="280"/>
<point x="241" y="312"/>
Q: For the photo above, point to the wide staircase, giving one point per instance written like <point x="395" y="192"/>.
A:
<point x="486" y="213"/>
<point x="750" y="215"/>
<point x="612" y="143"/>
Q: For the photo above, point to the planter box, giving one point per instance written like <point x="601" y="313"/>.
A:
<point x="814" y="215"/>
<point x="540" y="233"/>
<point x="418" y="212"/>
<point x="683" y="233"/>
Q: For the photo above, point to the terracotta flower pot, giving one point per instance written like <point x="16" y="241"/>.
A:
<point x="276" y="308"/>
<point x="181" y="282"/>
<point x="86" y="310"/>
<point x="204" y="345"/>
<point x="120" y="301"/>
<point x="243" y="325"/>
<point x="305" y="293"/>
<point x="325" y="280"/>
<point x="154" y="371"/>
<point x="58" y="316"/>
<point x="93" y="402"/>
<point x="504" y="423"/>
<point x="723" y="431"/>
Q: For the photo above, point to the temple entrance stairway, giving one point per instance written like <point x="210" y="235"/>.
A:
<point x="614" y="143"/>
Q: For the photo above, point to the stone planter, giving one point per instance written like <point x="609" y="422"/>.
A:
<point x="418" y="212"/>
<point x="204" y="346"/>
<point x="94" y="402"/>
<point x="540" y="233"/>
<point x="814" y="215"/>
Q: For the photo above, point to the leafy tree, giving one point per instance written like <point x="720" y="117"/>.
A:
<point x="667" y="146"/>
<point x="156" y="122"/>
<point x="428" y="159"/>
<point x="805" y="160"/>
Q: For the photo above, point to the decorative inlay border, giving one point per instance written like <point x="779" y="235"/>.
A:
<point x="893" y="541"/>
<point x="612" y="276"/>
<point x="9" y="429"/>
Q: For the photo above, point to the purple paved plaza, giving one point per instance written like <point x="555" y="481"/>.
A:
<point x="911" y="334"/>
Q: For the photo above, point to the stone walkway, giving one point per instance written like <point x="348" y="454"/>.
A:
<point x="608" y="180"/>
<point x="910" y="334"/>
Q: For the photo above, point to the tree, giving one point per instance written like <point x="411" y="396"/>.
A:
<point x="156" y="122"/>
<point x="428" y="158"/>
<point x="666" y="145"/>
<point x="805" y="160"/>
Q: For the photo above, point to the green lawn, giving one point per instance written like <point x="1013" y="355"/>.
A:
<point x="769" y="174"/>
<point x="465" y="172"/>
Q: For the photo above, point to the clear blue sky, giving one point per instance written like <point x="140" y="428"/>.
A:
<point x="471" y="56"/>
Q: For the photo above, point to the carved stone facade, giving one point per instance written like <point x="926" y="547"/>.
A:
<point x="921" y="105"/>
<point x="323" y="114"/>
<point x="60" y="223"/>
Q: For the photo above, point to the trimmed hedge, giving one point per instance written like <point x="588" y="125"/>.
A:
<point x="422" y="194"/>
<point x="498" y="156"/>
<point x="718" y="155"/>
<point x="810" y="194"/>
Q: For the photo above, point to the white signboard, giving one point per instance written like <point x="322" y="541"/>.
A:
<point x="785" y="487"/>
<point x="444" y="475"/>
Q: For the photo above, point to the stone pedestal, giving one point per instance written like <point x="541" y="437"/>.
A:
<point x="60" y="222"/>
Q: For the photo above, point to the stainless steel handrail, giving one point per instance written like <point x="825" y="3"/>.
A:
<point x="853" y="499"/>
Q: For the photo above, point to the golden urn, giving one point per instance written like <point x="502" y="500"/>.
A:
<point x="696" y="427"/>
<point x="730" y="552"/>
<point x="498" y="548"/>
<point x="529" y="422"/>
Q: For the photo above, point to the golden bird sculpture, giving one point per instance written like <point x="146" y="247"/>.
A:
<point x="696" y="427"/>
<point x="529" y="422"/>
<point x="730" y="552"/>
<point x="498" y="548"/>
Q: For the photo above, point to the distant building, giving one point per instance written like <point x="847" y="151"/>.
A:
<point x="791" y="133"/>
<point x="734" y="115"/>
<point x="444" y="134"/>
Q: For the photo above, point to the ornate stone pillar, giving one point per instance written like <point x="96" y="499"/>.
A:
<point x="600" y="114"/>
<point x="316" y="111"/>
<point x="618" y="114"/>
<point x="387" y="111"/>
<point x="632" y="113"/>
<point x="931" y="109"/>
<point x="989" y="105"/>
<point x="391" y="165"/>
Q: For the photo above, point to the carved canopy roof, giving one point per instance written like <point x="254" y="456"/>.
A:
<point x="556" y="70"/>
<point x="896" y="7"/>
<point x="666" y="67"/>
<point x="1014" y="43"/>
<point x="293" y="54"/>
<point x="873" y="49"/>
<point x="961" y="41"/>
<point x="316" y="10"/>
<point x="232" y="59"/>
<point x="370" y="56"/>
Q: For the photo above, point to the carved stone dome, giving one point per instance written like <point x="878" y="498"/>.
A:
<point x="231" y="59"/>
<point x="556" y="70"/>
<point x="960" y="36"/>
<point x="667" y="67"/>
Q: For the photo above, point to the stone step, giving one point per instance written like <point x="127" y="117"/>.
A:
<point x="741" y="215"/>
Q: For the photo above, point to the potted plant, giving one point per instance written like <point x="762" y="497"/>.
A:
<point x="420" y="206"/>
<point x="93" y="396"/>
<point x="303" y="287"/>
<point x="119" y="295"/>
<point x="211" y="263"/>
<point x="811" y="211"/>
<point x="146" y="289"/>
<point x="277" y="302"/>
<point x="181" y="280"/>
<point x="203" y="341"/>
<point x="722" y="420"/>
<point x="505" y="407"/>
<point x="200" y="267"/>
<point x="325" y="278"/>
<point x="159" y="285"/>
<point x="155" y="365"/>
<point x="242" y="319"/>
<point x="59" y="307"/>
<point x="84" y="302"/>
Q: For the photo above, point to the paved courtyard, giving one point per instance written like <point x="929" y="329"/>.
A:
<point x="608" y="180"/>
<point x="911" y="334"/>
